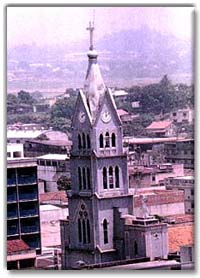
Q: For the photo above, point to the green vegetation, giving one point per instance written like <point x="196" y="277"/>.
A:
<point x="64" y="183"/>
<point x="156" y="101"/>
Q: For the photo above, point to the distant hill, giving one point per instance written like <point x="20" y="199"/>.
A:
<point x="124" y="56"/>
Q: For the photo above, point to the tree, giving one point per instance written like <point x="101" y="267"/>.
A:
<point x="25" y="97"/>
<point x="64" y="183"/>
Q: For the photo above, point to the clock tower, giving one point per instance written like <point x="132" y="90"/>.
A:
<point x="98" y="173"/>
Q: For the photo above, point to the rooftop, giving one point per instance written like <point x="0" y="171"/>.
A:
<point x="121" y="112"/>
<point x="16" y="246"/>
<point x="147" y="140"/>
<point x="159" y="125"/>
<point x="118" y="93"/>
<point x="49" y="208"/>
<point x="26" y="134"/>
<point x="54" y="157"/>
<point x="184" y="178"/>
<point x="53" y="196"/>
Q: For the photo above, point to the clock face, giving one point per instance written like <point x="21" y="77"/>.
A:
<point x="81" y="117"/>
<point x="106" y="117"/>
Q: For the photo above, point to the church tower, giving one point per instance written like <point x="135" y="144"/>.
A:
<point x="98" y="173"/>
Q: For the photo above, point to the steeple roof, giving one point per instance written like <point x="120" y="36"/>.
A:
<point x="94" y="87"/>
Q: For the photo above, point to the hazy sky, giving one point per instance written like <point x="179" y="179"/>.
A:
<point x="50" y="25"/>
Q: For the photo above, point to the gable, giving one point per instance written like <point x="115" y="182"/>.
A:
<point x="107" y="115"/>
<point x="81" y="117"/>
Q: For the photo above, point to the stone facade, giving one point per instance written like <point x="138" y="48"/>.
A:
<point x="99" y="199"/>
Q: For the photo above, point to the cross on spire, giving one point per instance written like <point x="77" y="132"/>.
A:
<point x="91" y="30"/>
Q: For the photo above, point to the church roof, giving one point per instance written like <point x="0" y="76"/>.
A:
<point x="94" y="87"/>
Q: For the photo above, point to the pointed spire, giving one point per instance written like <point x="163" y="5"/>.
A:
<point x="94" y="87"/>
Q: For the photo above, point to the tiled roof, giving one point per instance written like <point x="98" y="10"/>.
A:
<point x="160" y="197"/>
<point x="159" y="125"/>
<point x="53" y="196"/>
<point x="179" y="235"/>
<point x="121" y="112"/>
<point x="16" y="246"/>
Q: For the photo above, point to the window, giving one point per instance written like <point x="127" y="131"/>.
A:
<point x="88" y="230"/>
<point x="153" y="178"/>
<point x="79" y="178"/>
<point x="88" y="142"/>
<point x="84" y="230"/>
<point x="101" y="141"/>
<point x="174" y="114"/>
<point x="8" y="154"/>
<point x="113" y="140"/>
<point x="17" y="154"/>
<point x="107" y="140"/>
<point x="192" y="192"/>
<point x="83" y="226"/>
<point x="111" y="177"/>
<point x="84" y="178"/>
<point x="105" y="231"/>
<point x="117" y="177"/>
<point x="88" y="178"/>
<point x="79" y="142"/>
<point x="84" y="140"/>
<point x="135" y="248"/>
<point x="105" y="186"/>
<point x="79" y="230"/>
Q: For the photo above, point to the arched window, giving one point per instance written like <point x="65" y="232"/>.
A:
<point x="79" y="230"/>
<point x="111" y="177"/>
<point x="84" y="235"/>
<point x="88" y="231"/>
<point x="84" y="178"/>
<point x="101" y="141"/>
<point x="107" y="140"/>
<point x="113" y="139"/>
<point x="79" y="142"/>
<point x="105" y="185"/>
<point x="84" y="140"/>
<point x="105" y="231"/>
<point x="79" y="178"/>
<point x="84" y="230"/>
<point x="135" y="248"/>
<point x="88" y="141"/>
<point x="116" y="176"/>
<point x="88" y="178"/>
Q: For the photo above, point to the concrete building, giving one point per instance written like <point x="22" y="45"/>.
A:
<point x="51" y="167"/>
<point x="185" y="184"/>
<point x="15" y="150"/>
<point x="50" y="216"/>
<point x="180" y="152"/>
<point x="48" y="142"/>
<point x="23" y="217"/>
<point x="101" y="225"/>
<point x="182" y="116"/>
<point x="155" y="175"/>
<point x="161" y="129"/>
<point x="160" y="202"/>
<point x="20" y="255"/>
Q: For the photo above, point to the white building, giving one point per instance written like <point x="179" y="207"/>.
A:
<point x="186" y="184"/>
<point x="15" y="150"/>
<point x="50" y="168"/>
